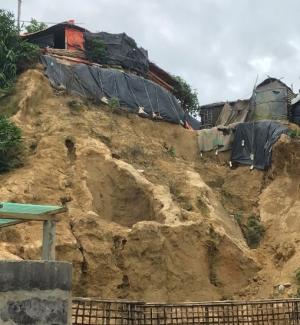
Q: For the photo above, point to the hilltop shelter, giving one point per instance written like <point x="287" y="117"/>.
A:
<point x="126" y="74"/>
<point x="122" y="50"/>
<point x="65" y="35"/>
<point x="271" y="100"/>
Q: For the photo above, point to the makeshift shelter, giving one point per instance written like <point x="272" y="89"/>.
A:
<point x="271" y="100"/>
<point x="136" y="94"/>
<point x="253" y="141"/>
<point x="65" y="35"/>
<point x="234" y="112"/>
<point x="210" y="113"/>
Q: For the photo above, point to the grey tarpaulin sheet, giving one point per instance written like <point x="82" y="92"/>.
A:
<point x="235" y="113"/>
<point x="270" y="103"/>
<point x="295" y="113"/>
<point x="253" y="143"/>
<point x="137" y="94"/>
<point x="122" y="50"/>
<point x="217" y="138"/>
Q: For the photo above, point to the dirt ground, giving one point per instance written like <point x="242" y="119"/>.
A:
<point x="148" y="218"/>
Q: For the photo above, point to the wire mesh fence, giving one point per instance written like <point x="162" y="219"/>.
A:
<point x="109" y="312"/>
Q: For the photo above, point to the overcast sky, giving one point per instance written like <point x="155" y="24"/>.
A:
<point x="218" y="46"/>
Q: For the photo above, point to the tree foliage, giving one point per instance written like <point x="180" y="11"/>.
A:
<point x="35" y="26"/>
<point x="15" y="54"/>
<point x="95" y="51"/>
<point x="187" y="96"/>
<point x="10" y="145"/>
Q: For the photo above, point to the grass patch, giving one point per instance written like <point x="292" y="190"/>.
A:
<point x="294" y="133"/>
<point x="114" y="102"/>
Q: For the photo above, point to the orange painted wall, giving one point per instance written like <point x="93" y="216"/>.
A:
<point x="74" y="39"/>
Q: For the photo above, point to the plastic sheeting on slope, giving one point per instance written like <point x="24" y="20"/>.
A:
<point x="217" y="138"/>
<point x="253" y="143"/>
<point x="137" y="94"/>
<point x="122" y="50"/>
<point x="234" y="113"/>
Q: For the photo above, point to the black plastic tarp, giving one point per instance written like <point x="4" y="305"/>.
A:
<point x="122" y="50"/>
<point x="253" y="143"/>
<point x="137" y="94"/>
<point x="295" y="113"/>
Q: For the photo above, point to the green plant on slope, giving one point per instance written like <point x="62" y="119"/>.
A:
<point x="95" y="50"/>
<point x="10" y="145"/>
<point x="187" y="96"/>
<point x="114" y="102"/>
<point x="294" y="133"/>
<point x="297" y="277"/>
<point x="254" y="231"/>
<point x="172" y="151"/>
<point x="16" y="55"/>
<point x="252" y="228"/>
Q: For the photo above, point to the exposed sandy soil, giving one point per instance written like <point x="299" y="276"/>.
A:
<point x="148" y="218"/>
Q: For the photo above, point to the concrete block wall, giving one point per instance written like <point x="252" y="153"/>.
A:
<point x="35" y="293"/>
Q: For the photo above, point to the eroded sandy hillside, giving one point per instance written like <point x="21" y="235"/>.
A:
<point x="148" y="218"/>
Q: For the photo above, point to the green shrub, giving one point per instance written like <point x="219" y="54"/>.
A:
<point x="253" y="231"/>
<point x="35" y="26"/>
<point x="252" y="228"/>
<point x="172" y="151"/>
<point x="186" y="95"/>
<point x="294" y="133"/>
<point x="95" y="50"/>
<point x="10" y="145"/>
<point x="238" y="217"/>
<point x="114" y="102"/>
<point x="297" y="276"/>
<point x="15" y="54"/>
<point x="28" y="55"/>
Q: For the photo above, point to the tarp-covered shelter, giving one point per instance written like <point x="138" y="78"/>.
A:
<point x="218" y="138"/>
<point x="65" y="35"/>
<point x="234" y="112"/>
<point x="253" y="141"/>
<point x="271" y="101"/>
<point x="137" y="94"/>
<point x="122" y="50"/>
<point x="210" y="113"/>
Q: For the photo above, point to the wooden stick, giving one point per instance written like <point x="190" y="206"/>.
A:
<point x="49" y="233"/>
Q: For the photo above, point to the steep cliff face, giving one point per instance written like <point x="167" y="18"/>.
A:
<point x="147" y="217"/>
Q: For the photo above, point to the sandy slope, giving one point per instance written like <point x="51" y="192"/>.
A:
<point x="148" y="218"/>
